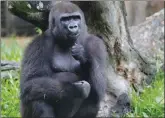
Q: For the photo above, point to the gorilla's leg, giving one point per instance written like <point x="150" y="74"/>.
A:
<point x="69" y="106"/>
<point x="122" y="106"/>
<point x="50" y="90"/>
<point x="47" y="110"/>
<point x="77" y="108"/>
<point x="88" y="109"/>
<point x="69" y="91"/>
<point x="37" y="109"/>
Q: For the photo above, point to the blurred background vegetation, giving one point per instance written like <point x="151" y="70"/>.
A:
<point x="17" y="33"/>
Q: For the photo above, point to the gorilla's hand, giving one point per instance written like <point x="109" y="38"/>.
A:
<point x="83" y="88"/>
<point x="78" y="53"/>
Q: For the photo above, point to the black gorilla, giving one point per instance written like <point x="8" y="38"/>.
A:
<point x="63" y="69"/>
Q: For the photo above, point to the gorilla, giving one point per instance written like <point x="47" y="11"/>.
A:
<point x="63" y="70"/>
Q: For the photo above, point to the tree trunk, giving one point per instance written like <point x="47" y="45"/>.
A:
<point x="108" y="19"/>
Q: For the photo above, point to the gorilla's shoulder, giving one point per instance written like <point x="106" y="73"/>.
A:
<point x="40" y="40"/>
<point x="36" y="41"/>
<point x="39" y="43"/>
<point x="94" y="43"/>
<point x="96" y="38"/>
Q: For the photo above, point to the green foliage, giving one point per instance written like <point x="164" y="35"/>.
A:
<point x="23" y="6"/>
<point x="10" y="86"/>
<point x="38" y="30"/>
<point x="149" y="104"/>
<point x="11" y="51"/>
<point x="10" y="97"/>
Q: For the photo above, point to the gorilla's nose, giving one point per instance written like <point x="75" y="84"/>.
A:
<point x="73" y="28"/>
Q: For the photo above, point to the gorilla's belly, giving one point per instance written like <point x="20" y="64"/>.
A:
<point x="66" y="76"/>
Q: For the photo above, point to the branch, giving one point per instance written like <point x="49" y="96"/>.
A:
<point x="34" y="12"/>
<point x="9" y="65"/>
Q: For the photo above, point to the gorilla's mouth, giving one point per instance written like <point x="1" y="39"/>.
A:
<point x="74" y="35"/>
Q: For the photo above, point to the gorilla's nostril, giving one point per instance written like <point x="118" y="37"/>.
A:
<point x="75" y="26"/>
<point x="70" y="27"/>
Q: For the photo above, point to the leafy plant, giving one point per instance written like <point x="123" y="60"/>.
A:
<point x="11" y="51"/>
<point x="38" y="30"/>
<point x="151" y="102"/>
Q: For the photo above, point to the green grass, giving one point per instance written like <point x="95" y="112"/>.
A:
<point x="11" y="51"/>
<point x="10" y="86"/>
<point x="150" y="103"/>
<point x="10" y="97"/>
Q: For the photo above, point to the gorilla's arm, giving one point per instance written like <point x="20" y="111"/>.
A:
<point x="47" y="89"/>
<point x="97" y="55"/>
<point x="93" y="53"/>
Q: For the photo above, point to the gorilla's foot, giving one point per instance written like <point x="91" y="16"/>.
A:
<point x="122" y="106"/>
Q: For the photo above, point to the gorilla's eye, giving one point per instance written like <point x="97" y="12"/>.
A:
<point x="75" y="17"/>
<point x="65" y="19"/>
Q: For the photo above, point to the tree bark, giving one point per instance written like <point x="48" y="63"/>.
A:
<point x="127" y="66"/>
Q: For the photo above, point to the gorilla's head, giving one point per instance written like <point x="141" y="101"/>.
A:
<point x="66" y="22"/>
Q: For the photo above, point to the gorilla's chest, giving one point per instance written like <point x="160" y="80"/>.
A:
<point x="64" y="61"/>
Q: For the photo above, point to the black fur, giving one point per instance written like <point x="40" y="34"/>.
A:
<point x="54" y="66"/>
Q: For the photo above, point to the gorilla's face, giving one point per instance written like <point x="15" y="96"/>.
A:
<point x="71" y="24"/>
<point x="68" y="26"/>
<point x="67" y="23"/>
